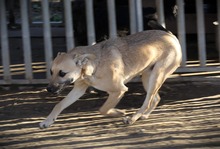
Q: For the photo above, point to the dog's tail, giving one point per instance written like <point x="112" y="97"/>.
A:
<point x="152" y="24"/>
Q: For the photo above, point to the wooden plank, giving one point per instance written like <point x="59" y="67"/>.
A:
<point x="132" y="16"/>
<point x="26" y="40"/>
<point x="4" y="43"/>
<point x="218" y="28"/>
<point x="160" y="12"/>
<point x="24" y="81"/>
<point x="112" y="18"/>
<point x="197" y="69"/>
<point x="90" y="22"/>
<point x="181" y="30"/>
<point x="139" y="12"/>
<point x="201" y="32"/>
<point x="47" y="35"/>
<point x="69" y="25"/>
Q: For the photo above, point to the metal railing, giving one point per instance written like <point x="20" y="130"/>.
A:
<point x="136" y="25"/>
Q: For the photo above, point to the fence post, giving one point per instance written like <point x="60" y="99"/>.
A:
<point x="112" y="18"/>
<point x="160" y="12"/>
<point x="139" y="17"/>
<point x="69" y="24"/>
<point x="26" y="40"/>
<point x="218" y="36"/>
<point x="4" y="43"/>
<point x="132" y="16"/>
<point x="201" y="32"/>
<point x="47" y="36"/>
<point x="90" y="22"/>
<point x="181" y="30"/>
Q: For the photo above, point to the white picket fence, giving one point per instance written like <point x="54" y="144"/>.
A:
<point x="136" y="25"/>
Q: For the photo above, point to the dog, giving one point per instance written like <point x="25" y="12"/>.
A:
<point x="110" y="64"/>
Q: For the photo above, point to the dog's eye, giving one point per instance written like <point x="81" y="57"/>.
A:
<point x="61" y="73"/>
<point x="51" y="72"/>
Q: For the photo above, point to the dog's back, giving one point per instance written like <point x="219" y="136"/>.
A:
<point x="142" y="49"/>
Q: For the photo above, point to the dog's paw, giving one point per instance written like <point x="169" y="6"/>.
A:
<point x="116" y="112"/>
<point x="144" y="116"/>
<point x="46" y="123"/>
<point x="113" y="112"/>
<point x="127" y="120"/>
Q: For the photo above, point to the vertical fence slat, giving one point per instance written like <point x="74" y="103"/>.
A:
<point x="201" y="32"/>
<point x="69" y="24"/>
<point x="112" y="18"/>
<point x="90" y="22"/>
<point x="26" y="40"/>
<point x="218" y="36"/>
<point x="132" y="16"/>
<point x="4" y="43"/>
<point x="160" y="12"/>
<point x="139" y="10"/>
<point x="182" y="30"/>
<point x="47" y="36"/>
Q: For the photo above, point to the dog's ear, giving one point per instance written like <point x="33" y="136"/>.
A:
<point x="60" y="53"/>
<point x="86" y="62"/>
<point x="82" y="60"/>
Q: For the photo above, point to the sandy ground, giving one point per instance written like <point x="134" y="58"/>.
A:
<point x="188" y="117"/>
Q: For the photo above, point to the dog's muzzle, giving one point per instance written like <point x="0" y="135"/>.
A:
<point x="58" y="87"/>
<point x="53" y="89"/>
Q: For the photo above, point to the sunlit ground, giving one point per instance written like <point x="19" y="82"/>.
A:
<point x="188" y="117"/>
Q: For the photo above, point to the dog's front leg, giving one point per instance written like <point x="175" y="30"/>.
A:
<point x="108" y="107"/>
<point x="78" y="90"/>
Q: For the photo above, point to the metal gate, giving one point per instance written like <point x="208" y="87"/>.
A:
<point x="28" y="67"/>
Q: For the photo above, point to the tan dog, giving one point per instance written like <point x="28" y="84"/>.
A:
<point x="109" y="65"/>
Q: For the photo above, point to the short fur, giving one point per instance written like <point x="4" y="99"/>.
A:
<point x="109" y="65"/>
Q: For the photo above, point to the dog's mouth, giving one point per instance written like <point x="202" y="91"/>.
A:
<point x="57" y="88"/>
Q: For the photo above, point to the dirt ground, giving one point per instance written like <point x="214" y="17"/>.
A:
<point x="188" y="117"/>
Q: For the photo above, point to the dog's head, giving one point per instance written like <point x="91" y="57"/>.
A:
<point x="67" y="68"/>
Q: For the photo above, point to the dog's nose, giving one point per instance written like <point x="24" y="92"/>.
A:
<point x="49" y="89"/>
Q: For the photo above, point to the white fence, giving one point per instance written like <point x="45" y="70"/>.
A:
<point x="136" y="25"/>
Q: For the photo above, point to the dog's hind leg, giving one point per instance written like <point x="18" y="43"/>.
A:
<point x="156" y="100"/>
<point x="152" y="106"/>
<point x="113" y="99"/>
<point x="159" y="74"/>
